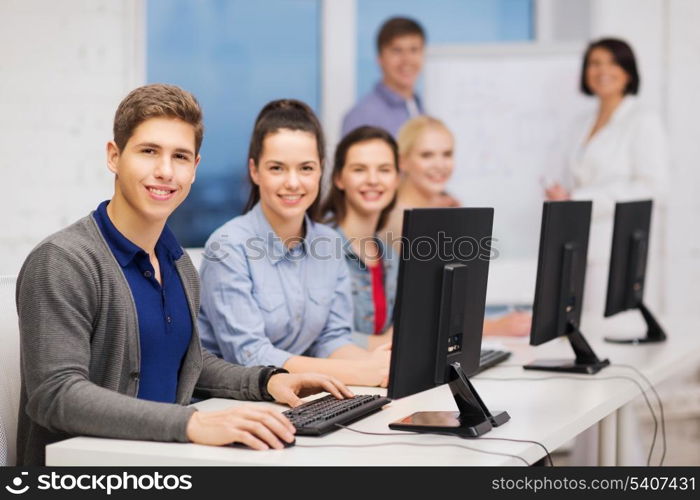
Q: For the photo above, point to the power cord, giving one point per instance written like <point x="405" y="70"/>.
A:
<point x="661" y="407"/>
<point x="656" y="394"/>
<point x="405" y="443"/>
<point x="546" y="451"/>
<point x="549" y="456"/>
<point x="616" y="377"/>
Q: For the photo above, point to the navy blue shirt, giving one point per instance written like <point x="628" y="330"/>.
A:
<point x="165" y="323"/>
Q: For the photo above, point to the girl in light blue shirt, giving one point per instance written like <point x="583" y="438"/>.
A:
<point x="275" y="287"/>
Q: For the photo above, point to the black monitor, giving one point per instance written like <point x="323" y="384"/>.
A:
<point x="561" y="271"/>
<point x="628" y="262"/>
<point x="439" y="316"/>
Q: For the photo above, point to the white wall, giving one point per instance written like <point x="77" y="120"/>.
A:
<point x="562" y="20"/>
<point x="666" y="40"/>
<point x="64" y="67"/>
<point x="683" y="105"/>
<point x="338" y="53"/>
<point x="643" y="24"/>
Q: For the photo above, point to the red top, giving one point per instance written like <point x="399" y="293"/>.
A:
<point x="378" y="296"/>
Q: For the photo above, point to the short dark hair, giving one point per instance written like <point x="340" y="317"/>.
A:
<point x="624" y="57"/>
<point x="334" y="207"/>
<point x="396" y="27"/>
<point x="288" y="114"/>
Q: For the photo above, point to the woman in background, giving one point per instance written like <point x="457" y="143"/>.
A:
<point x="363" y="192"/>
<point x="426" y="162"/>
<point x="618" y="153"/>
<point x="274" y="290"/>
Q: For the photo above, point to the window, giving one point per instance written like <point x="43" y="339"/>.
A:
<point x="234" y="56"/>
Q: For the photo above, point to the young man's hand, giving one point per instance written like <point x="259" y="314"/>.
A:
<point x="289" y="388"/>
<point x="258" y="427"/>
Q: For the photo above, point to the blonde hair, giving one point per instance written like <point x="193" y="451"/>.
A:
<point x="410" y="132"/>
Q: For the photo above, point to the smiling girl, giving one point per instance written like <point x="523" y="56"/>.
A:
<point x="365" y="179"/>
<point x="426" y="160"/>
<point x="276" y="290"/>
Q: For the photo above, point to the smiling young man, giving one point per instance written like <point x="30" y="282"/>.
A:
<point x="107" y="309"/>
<point x="392" y="101"/>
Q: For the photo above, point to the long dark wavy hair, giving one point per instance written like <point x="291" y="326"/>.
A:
<point x="284" y="114"/>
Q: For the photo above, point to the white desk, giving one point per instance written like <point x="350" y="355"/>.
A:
<point x="552" y="412"/>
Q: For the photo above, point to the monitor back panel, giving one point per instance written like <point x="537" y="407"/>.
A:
<point x="563" y="222"/>
<point x="431" y="239"/>
<point x="630" y="218"/>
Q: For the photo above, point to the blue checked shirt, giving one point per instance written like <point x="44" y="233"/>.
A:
<point x="263" y="303"/>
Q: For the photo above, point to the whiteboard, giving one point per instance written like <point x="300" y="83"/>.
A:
<point x="510" y="108"/>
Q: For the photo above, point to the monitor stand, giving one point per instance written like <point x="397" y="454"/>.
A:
<point x="586" y="360"/>
<point x="654" y="331"/>
<point x="472" y="420"/>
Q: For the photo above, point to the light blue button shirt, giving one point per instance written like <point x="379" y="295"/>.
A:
<point x="263" y="303"/>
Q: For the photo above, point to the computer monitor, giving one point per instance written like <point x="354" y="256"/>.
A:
<point x="561" y="271"/>
<point x="439" y="315"/>
<point x="628" y="262"/>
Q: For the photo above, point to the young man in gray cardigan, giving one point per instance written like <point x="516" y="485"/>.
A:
<point x="107" y="310"/>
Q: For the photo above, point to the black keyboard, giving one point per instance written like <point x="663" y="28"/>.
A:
<point x="489" y="358"/>
<point x="320" y="416"/>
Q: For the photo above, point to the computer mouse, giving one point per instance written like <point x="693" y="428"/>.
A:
<point x="246" y="447"/>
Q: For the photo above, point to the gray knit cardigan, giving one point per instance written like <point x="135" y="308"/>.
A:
<point x="80" y="354"/>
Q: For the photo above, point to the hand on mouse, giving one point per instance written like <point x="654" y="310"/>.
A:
<point x="258" y="427"/>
